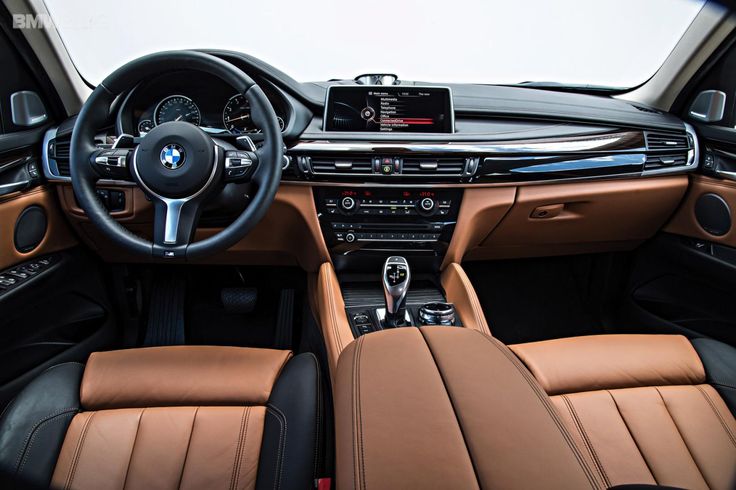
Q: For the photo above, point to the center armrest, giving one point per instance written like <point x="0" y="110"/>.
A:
<point x="438" y="407"/>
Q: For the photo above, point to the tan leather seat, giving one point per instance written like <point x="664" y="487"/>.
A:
<point x="640" y="407"/>
<point x="167" y="417"/>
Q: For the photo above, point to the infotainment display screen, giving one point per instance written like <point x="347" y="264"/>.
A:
<point x="390" y="108"/>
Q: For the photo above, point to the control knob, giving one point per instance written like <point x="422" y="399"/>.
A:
<point x="348" y="203"/>
<point x="427" y="205"/>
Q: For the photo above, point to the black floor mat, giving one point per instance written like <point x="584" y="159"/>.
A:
<point x="209" y="323"/>
<point x="528" y="300"/>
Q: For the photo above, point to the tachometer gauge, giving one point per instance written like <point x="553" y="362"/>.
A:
<point x="145" y="126"/>
<point x="177" y="108"/>
<point x="236" y="115"/>
<point x="282" y="125"/>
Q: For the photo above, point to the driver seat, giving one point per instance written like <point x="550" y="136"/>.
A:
<point x="167" y="417"/>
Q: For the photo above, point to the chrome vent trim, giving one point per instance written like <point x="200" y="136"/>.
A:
<point x="340" y="166"/>
<point x="666" y="141"/>
<point x="434" y="166"/>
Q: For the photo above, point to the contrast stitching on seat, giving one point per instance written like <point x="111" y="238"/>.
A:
<point x="317" y="434"/>
<point x="718" y="414"/>
<point x="633" y="438"/>
<point x="12" y="402"/>
<point x="586" y="440"/>
<point x="51" y="420"/>
<point x="359" y="412"/>
<point x="242" y="446"/>
<point x="679" y="432"/>
<point x="354" y="413"/>
<point x="544" y="398"/>
<point x="132" y="449"/>
<point x="237" y="448"/>
<point x="474" y="303"/>
<point x="78" y="451"/>
<point x="279" y="415"/>
<point x="452" y="406"/>
<point x="189" y="443"/>
<point x="31" y="432"/>
<point x="333" y="315"/>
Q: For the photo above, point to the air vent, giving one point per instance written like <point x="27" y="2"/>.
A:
<point x="649" y="110"/>
<point x="337" y="166"/>
<point x="59" y="152"/>
<point x="663" y="161"/>
<point x="433" y="166"/>
<point x="665" y="141"/>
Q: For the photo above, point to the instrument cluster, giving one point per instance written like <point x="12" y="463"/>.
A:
<point x="199" y="99"/>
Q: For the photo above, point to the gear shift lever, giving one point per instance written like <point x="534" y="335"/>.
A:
<point x="396" y="277"/>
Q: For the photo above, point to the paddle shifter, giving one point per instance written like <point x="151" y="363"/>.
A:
<point x="396" y="278"/>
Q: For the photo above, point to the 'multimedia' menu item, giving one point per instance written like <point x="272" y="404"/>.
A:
<point x="389" y="109"/>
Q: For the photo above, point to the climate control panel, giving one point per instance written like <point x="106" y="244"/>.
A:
<point x="355" y="219"/>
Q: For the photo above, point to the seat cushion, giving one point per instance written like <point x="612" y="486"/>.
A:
<point x="221" y="417"/>
<point x="640" y="407"/>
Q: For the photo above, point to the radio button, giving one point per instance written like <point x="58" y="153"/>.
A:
<point x="348" y="203"/>
<point x="350" y="237"/>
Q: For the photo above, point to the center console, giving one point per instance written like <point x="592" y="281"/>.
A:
<point x="365" y="220"/>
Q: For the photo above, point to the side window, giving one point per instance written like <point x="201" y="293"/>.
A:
<point x="21" y="105"/>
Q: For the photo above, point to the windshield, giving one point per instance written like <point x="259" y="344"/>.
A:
<point x="608" y="43"/>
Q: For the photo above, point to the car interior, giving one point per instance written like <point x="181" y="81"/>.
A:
<point x="213" y="275"/>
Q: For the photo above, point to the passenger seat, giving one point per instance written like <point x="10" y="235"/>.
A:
<point x="641" y="406"/>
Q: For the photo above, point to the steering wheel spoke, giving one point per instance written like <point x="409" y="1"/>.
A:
<point x="175" y="221"/>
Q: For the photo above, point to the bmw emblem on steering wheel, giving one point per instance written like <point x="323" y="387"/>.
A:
<point x="173" y="156"/>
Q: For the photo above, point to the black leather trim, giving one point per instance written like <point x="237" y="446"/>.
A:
<point x="290" y="448"/>
<point x="34" y="424"/>
<point x="719" y="360"/>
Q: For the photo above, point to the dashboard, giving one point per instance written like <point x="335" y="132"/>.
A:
<point x="377" y="168"/>
<point x="199" y="99"/>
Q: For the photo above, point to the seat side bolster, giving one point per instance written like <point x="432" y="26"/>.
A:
<point x="719" y="360"/>
<point x="292" y="433"/>
<point x="34" y="424"/>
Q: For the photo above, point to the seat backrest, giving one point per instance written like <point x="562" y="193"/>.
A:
<point x="640" y="407"/>
<point x="190" y="417"/>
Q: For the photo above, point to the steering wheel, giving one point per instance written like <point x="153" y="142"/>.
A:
<point x="177" y="165"/>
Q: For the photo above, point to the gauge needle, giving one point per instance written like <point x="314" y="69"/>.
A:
<point x="179" y="118"/>
<point x="245" y="116"/>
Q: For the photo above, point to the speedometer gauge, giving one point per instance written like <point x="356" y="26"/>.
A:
<point x="177" y="108"/>
<point x="236" y="115"/>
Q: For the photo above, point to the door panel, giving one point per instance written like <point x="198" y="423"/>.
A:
<point x="692" y="221"/>
<point x="57" y="235"/>
<point x="54" y="305"/>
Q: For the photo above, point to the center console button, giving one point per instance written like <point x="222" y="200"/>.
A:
<point x="350" y="237"/>
<point x="426" y="204"/>
<point x="347" y="203"/>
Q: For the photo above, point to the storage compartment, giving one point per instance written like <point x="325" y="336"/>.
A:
<point x="560" y="219"/>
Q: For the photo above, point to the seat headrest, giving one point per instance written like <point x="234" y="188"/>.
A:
<point x="180" y="376"/>
<point x="600" y="362"/>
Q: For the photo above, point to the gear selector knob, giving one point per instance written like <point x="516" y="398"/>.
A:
<point x="396" y="277"/>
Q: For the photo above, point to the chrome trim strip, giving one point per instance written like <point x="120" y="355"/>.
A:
<point x="693" y="156"/>
<point x="588" y="144"/>
<point x="45" y="158"/>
